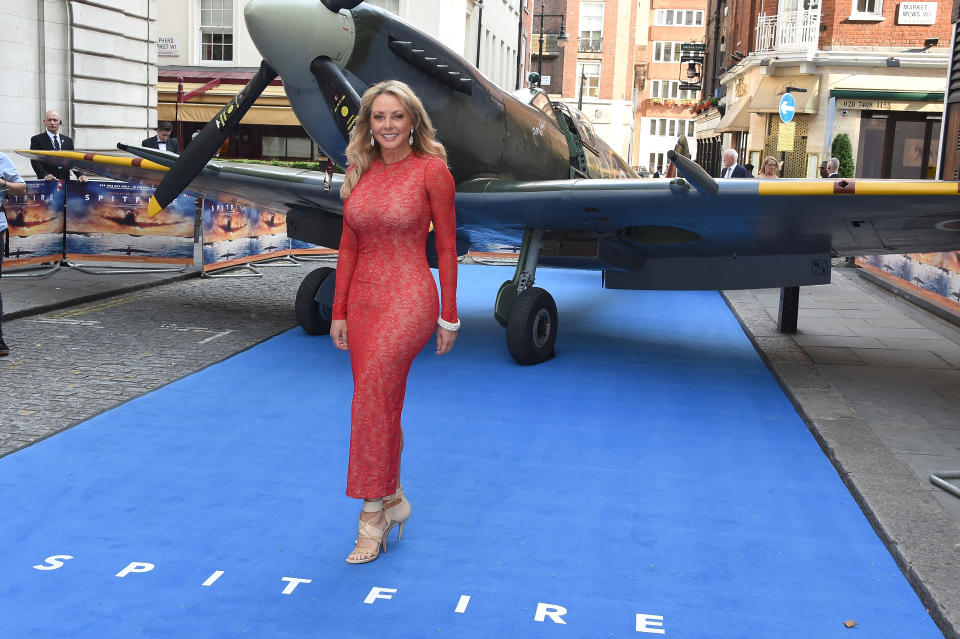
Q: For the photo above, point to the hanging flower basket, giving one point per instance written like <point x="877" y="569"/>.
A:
<point x="704" y="105"/>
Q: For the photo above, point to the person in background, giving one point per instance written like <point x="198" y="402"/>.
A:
<point x="768" y="170"/>
<point x="52" y="140"/>
<point x="162" y="140"/>
<point x="12" y="183"/>
<point x="833" y="168"/>
<point x="749" y="168"/>
<point x="730" y="167"/>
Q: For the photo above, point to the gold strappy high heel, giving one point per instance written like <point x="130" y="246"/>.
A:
<point x="397" y="509"/>
<point x="368" y="531"/>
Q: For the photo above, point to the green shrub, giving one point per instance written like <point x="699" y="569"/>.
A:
<point x="843" y="151"/>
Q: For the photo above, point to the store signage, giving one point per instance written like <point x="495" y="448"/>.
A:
<point x="692" y="58"/>
<point x="688" y="47"/>
<point x="168" y="45"/>
<point x="689" y="86"/>
<point x="917" y="13"/>
<point x="867" y="105"/>
<point x="544" y="80"/>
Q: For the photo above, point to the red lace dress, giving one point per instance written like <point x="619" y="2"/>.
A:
<point x="388" y="296"/>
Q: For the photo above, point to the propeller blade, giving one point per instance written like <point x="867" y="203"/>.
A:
<point x="205" y="145"/>
<point x="342" y="100"/>
<point x="336" y="5"/>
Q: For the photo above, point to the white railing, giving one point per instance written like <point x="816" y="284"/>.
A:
<point x="788" y="31"/>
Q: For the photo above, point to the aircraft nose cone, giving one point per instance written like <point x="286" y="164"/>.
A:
<point x="290" y="34"/>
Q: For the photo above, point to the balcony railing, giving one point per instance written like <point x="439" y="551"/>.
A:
<point x="590" y="45"/>
<point x="788" y="31"/>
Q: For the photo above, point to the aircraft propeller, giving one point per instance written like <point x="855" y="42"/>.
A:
<point x="336" y="5"/>
<point x="211" y="136"/>
<point x="342" y="100"/>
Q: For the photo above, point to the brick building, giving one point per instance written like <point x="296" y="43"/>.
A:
<point x="871" y="69"/>
<point x="665" y="107"/>
<point x="593" y="67"/>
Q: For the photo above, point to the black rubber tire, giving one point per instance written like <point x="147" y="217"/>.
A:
<point x="532" y="327"/>
<point x="313" y="316"/>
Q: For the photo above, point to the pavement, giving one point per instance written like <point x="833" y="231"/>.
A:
<point x="876" y="378"/>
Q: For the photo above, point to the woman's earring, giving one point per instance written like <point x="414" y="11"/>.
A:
<point x="411" y="137"/>
<point x="371" y="138"/>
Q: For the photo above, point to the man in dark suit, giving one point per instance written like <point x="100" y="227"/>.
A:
<point x="52" y="140"/>
<point x="162" y="139"/>
<point x="731" y="169"/>
<point x="833" y="168"/>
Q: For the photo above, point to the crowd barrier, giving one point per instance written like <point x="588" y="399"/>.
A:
<point x="85" y="223"/>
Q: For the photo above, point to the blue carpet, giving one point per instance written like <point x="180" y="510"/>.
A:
<point x="654" y="468"/>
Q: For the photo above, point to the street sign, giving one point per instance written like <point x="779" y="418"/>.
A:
<point x="787" y="108"/>
<point x="692" y="58"/>
<point x="693" y="46"/>
<point x="687" y="86"/>
<point x="786" y="134"/>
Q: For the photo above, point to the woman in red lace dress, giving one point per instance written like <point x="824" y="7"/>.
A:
<point x="386" y="298"/>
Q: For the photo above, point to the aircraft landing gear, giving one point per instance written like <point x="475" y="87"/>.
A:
<point x="314" y="303"/>
<point x="528" y="313"/>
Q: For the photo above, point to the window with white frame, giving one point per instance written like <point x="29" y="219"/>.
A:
<point x="671" y="127"/>
<point x="216" y="30"/>
<point x="393" y="6"/>
<point x="666" y="51"/>
<point x="670" y="90"/>
<point x="678" y="18"/>
<point x="591" y="27"/>
<point x="867" y="9"/>
<point x="589" y="74"/>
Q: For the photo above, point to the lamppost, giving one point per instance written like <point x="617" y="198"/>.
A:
<point x="561" y="38"/>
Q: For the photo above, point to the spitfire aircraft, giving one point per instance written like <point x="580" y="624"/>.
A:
<point x="530" y="174"/>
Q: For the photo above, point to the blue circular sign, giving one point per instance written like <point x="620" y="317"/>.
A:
<point x="788" y="106"/>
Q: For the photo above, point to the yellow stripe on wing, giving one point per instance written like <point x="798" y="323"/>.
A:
<point x="857" y="187"/>
<point x="103" y="159"/>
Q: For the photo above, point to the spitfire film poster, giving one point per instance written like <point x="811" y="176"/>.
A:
<point x="235" y="234"/>
<point x="36" y="224"/>
<point x="938" y="273"/>
<point x="109" y="221"/>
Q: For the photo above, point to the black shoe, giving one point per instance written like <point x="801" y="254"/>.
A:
<point x="4" y="349"/>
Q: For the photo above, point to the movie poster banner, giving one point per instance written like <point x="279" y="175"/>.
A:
<point x="35" y="221"/>
<point x="937" y="273"/>
<point x="234" y="234"/>
<point x="109" y="221"/>
<point x="300" y="247"/>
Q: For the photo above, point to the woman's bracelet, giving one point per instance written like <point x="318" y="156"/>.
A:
<point x="450" y="326"/>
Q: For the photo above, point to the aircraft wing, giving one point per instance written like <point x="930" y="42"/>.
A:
<point x="615" y="223"/>
<point x="661" y="218"/>
<point x="271" y="188"/>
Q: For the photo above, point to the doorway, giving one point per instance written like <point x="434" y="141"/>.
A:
<point x="898" y="145"/>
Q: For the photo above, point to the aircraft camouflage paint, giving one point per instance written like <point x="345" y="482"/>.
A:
<point x="533" y="174"/>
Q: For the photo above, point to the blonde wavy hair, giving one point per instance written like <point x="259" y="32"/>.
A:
<point x="360" y="154"/>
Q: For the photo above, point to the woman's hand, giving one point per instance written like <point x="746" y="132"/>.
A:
<point x="338" y="333"/>
<point x="445" y="340"/>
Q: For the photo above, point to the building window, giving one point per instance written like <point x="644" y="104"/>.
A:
<point x="670" y="127"/>
<point x="867" y="9"/>
<point x="666" y="51"/>
<point x="216" y="30"/>
<point x="393" y="6"/>
<point x="678" y="18"/>
<point x="588" y="74"/>
<point x="670" y="90"/>
<point x="591" y="27"/>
